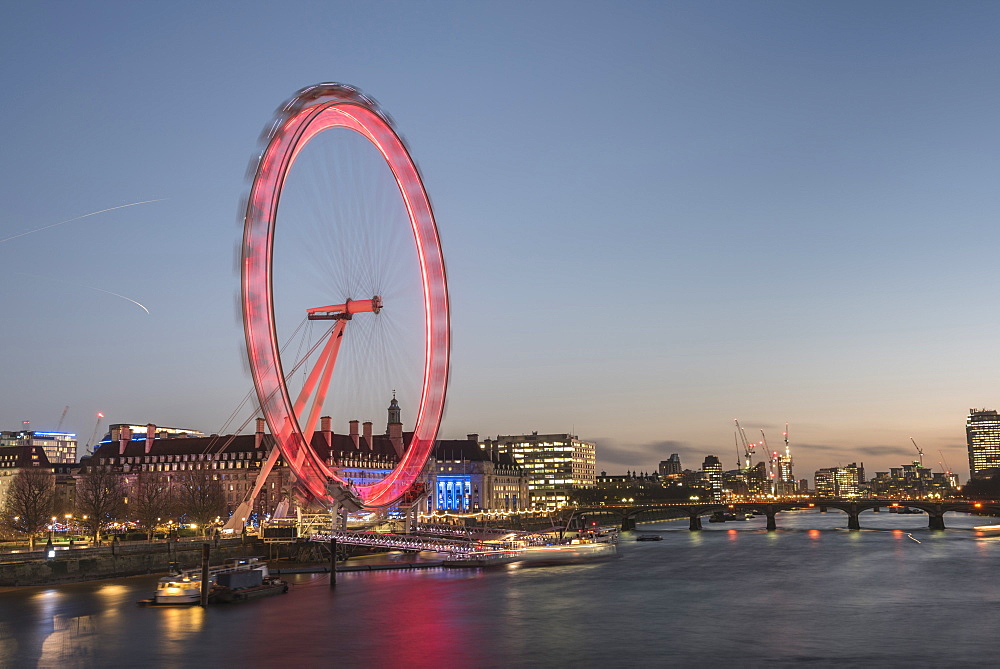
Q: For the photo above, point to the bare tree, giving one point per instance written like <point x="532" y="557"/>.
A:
<point x="27" y="508"/>
<point x="100" y="499"/>
<point x="200" y="497"/>
<point x="152" y="500"/>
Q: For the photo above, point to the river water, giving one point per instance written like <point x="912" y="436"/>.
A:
<point x="892" y="595"/>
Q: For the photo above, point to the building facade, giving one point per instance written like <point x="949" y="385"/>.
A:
<point x="912" y="481"/>
<point x="231" y="462"/>
<point x="59" y="447"/>
<point x="840" y="482"/>
<point x="671" y="466"/>
<point x="982" y="434"/>
<point x="555" y="464"/>
<point x="465" y="477"/>
<point x="460" y="475"/>
<point x="14" y="459"/>
<point x="711" y="470"/>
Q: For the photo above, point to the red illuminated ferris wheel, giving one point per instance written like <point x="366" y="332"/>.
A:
<point x="362" y="250"/>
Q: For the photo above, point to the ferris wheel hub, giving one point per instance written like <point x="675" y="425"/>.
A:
<point x="346" y="310"/>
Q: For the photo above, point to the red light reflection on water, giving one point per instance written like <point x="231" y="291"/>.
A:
<point x="813" y="534"/>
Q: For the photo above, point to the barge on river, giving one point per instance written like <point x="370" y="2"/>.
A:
<point x="239" y="579"/>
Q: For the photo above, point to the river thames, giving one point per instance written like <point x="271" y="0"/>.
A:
<point x="812" y="593"/>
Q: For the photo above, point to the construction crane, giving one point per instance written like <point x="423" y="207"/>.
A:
<point x="748" y="448"/>
<point x="944" y="463"/>
<point x="62" y="418"/>
<point x="97" y="427"/>
<point x="919" y="452"/>
<point x="739" y="461"/>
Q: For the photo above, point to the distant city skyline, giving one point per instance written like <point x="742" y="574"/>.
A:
<point x="656" y="218"/>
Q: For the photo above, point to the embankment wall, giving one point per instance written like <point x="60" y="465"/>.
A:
<point x="85" y="565"/>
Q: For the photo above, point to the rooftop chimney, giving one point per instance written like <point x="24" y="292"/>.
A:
<point x="367" y="429"/>
<point x="473" y="438"/>
<point x="324" y="427"/>
<point x="396" y="437"/>
<point x="150" y="435"/>
<point x="259" y="434"/>
<point x="354" y="433"/>
<point x="124" y="437"/>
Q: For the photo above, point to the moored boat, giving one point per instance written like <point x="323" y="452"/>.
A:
<point x="238" y="579"/>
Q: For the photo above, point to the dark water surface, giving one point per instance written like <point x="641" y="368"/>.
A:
<point x="811" y="594"/>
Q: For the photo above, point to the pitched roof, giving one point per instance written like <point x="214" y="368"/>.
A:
<point x="20" y="457"/>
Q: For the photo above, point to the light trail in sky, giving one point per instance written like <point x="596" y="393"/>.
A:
<point x="93" y="213"/>
<point x="83" y="285"/>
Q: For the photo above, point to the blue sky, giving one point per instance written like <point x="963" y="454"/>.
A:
<point x="657" y="217"/>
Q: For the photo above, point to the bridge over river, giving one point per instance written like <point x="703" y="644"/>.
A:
<point x="628" y="514"/>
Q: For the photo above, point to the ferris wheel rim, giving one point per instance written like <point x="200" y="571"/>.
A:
<point x="307" y="114"/>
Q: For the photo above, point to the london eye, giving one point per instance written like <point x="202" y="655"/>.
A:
<point x="343" y="288"/>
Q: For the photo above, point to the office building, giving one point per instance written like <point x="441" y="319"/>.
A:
<point x="840" y="482"/>
<point x="711" y="471"/>
<point x="555" y="464"/>
<point x="59" y="447"/>
<point x="982" y="434"/>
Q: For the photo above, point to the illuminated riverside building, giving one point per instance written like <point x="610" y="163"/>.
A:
<point x="555" y="464"/>
<point x="786" y="478"/>
<point x="230" y="462"/>
<point x="459" y="477"/>
<point x="982" y="433"/>
<point x="711" y="471"/>
<point x="59" y="447"/>
<point x="758" y="483"/>
<point x="840" y="482"/>
<point x="912" y="481"/>
<point x="466" y="477"/>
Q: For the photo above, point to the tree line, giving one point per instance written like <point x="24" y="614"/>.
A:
<point x="104" y="498"/>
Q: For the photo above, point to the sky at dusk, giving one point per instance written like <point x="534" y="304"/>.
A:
<point x="656" y="216"/>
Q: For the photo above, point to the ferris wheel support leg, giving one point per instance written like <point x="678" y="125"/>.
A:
<point x="243" y="511"/>
<point x="324" y="385"/>
<point x="320" y="373"/>
<point x="330" y="350"/>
